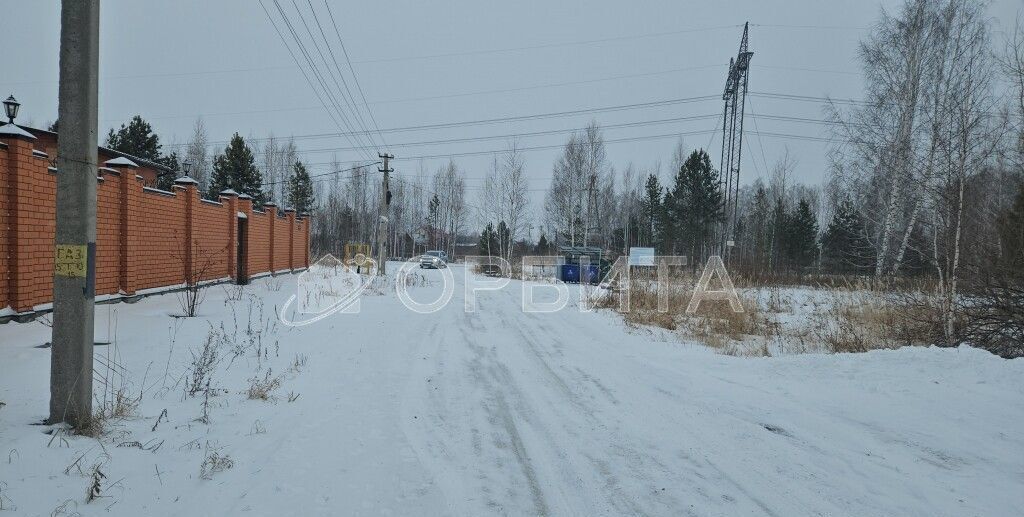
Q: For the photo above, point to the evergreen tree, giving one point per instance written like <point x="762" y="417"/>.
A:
<point x="504" y="238"/>
<point x="488" y="241"/>
<point x="1010" y="226"/>
<point x="137" y="139"/>
<point x="695" y="205"/>
<point x="300" y="189"/>
<point x="758" y="229"/>
<point x="433" y="220"/>
<point x="845" y="248"/>
<point x="236" y="169"/>
<point x="165" y="181"/>
<point x="777" y="228"/>
<point x="800" y="237"/>
<point x="543" y="246"/>
<point x="650" y="206"/>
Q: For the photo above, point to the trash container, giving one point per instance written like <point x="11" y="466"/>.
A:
<point x="570" y="273"/>
<point x="591" y="274"/>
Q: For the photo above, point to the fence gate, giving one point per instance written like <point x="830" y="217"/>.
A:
<point x="242" y="271"/>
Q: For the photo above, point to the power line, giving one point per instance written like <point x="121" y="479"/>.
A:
<point x="525" y="134"/>
<point x="301" y="69"/>
<point x="353" y="72"/>
<point x="546" y="147"/>
<point x="820" y="27"/>
<point x="548" y="85"/>
<point x="517" y="118"/>
<point x="330" y="173"/>
<point x="347" y="94"/>
<point x="547" y="45"/>
<point x="316" y="71"/>
<point x="435" y="97"/>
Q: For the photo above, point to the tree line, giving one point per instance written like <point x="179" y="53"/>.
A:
<point x="233" y="168"/>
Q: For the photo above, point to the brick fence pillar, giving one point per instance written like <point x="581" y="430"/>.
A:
<point x="19" y="231"/>
<point x="189" y="189"/>
<point x="5" y="271"/>
<point x="305" y="238"/>
<point x="245" y="208"/>
<point x="271" y="209"/>
<point x="129" y="229"/>
<point x="229" y="198"/>
<point x="290" y="214"/>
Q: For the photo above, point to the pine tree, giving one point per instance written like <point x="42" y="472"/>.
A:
<point x="758" y="229"/>
<point x="300" y="189"/>
<point x="776" y="241"/>
<point x="543" y="246"/>
<point x="236" y="169"/>
<point x="504" y="238"/>
<point x="1010" y="227"/>
<point x="488" y="241"/>
<point x="433" y="220"/>
<point x="801" y="237"/>
<point x="845" y="248"/>
<point x="165" y="181"/>
<point x="650" y="206"/>
<point x="695" y="205"/>
<point x="137" y="139"/>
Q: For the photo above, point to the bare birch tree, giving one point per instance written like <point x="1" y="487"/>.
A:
<point x="197" y="153"/>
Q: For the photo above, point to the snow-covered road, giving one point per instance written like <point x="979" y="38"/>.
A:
<point x="501" y="412"/>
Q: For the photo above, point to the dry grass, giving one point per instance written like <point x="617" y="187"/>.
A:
<point x="714" y="324"/>
<point x="849" y="315"/>
<point x="262" y="388"/>
<point x="214" y="462"/>
<point x="853" y="322"/>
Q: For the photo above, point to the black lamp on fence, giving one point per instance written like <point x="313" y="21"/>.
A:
<point x="11" y="106"/>
<point x="186" y="167"/>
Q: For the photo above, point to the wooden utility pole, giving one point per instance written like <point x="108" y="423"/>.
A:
<point x="385" y="202"/>
<point x="75" y="254"/>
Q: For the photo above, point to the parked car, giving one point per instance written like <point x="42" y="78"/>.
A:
<point x="434" y="259"/>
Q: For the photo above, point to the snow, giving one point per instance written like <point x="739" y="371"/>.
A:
<point x="501" y="412"/>
<point x="120" y="162"/>
<point x="14" y="130"/>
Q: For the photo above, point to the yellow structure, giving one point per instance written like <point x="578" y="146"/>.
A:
<point x="356" y="248"/>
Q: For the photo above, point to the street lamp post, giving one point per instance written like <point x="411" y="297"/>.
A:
<point x="11" y="106"/>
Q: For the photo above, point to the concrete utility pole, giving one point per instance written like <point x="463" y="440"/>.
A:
<point x="385" y="202"/>
<point x="74" y="260"/>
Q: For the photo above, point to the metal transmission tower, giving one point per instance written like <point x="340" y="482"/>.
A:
<point x="735" y="97"/>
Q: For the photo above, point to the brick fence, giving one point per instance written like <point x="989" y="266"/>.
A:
<point x="145" y="238"/>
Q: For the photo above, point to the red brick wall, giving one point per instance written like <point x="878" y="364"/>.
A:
<point x="162" y="254"/>
<point x="145" y="238"/>
<point x="5" y="249"/>
<point x="211" y="244"/>
<point x="259" y="242"/>
<point x="108" y="232"/>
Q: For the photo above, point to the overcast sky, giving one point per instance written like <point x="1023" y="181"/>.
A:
<point x="422" y="63"/>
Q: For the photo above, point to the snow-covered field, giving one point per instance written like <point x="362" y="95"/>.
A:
<point x="500" y="412"/>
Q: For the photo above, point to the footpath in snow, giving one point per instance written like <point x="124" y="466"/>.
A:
<point x="501" y="412"/>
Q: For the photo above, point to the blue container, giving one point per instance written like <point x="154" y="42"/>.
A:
<point x="592" y="274"/>
<point x="569" y="273"/>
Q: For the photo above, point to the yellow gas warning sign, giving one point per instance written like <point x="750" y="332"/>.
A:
<point x="71" y="260"/>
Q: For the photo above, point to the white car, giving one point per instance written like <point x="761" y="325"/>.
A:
<point x="434" y="259"/>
